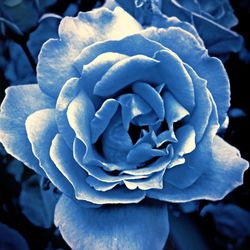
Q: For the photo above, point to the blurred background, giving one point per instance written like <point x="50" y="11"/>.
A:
<point x="26" y="221"/>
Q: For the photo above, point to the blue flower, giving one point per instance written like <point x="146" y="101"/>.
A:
<point x="120" y="114"/>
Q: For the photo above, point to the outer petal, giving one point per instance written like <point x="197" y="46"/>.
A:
<point x="224" y="172"/>
<point x="41" y="129"/>
<point x="210" y="68"/>
<point x="55" y="63"/>
<point x="187" y="174"/>
<point x="113" y="227"/>
<point x="19" y="103"/>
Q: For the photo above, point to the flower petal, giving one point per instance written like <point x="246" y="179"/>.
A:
<point x="224" y="172"/>
<point x="156" y="166"/>
<point x="140" y="67"/>
<point x="122" y="227"/>
<point x="146" y="119"/>
<point x="54" y="66"/>
<point x="174" y="110"/>
<point x="100" y="185"/>
<point x="69" y="91"/>
<point x="102" y="118"/>
<point x="185" y="140"/>
<point x="55" y="63"/>
<point x="150" y="96"/>
<point x="130" y="46"/>
<point x="19" y="103"/>
<point x="185" y="175"/>
<point x="96" y="169"/>
<point x="116" y="141"/>
<point x="94" y="71"/>
<point x="63" y="159"/>
<point x="143" y="152"/>
<point x="199" y="118"/>
<point x="132" y="106"/>
<point x="178" y="82"/>
<point x="61" y="155"/>
<point x="209" y="68"/>
<point x="81" y="123"/>
<point x="41" y="129"/>
<point x="155" y="181"/>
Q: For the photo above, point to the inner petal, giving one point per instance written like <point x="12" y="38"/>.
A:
<point x="151" y="96"/>
<point x="143" y="152"/>
<point x="116" y="141"/>
<point x="132" y="106"/>
<point x="174" y="110"/>
<point x="102" y="118"/>
<point x="140" y="67"/>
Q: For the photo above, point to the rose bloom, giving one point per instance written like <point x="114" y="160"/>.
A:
<point x="123" y="115"/>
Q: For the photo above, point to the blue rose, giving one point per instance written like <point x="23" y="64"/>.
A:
<point x="120" y="114"/>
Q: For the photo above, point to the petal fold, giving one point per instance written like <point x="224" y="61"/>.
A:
<point x="41" y="129"/>
<point x="102" y="118"/>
